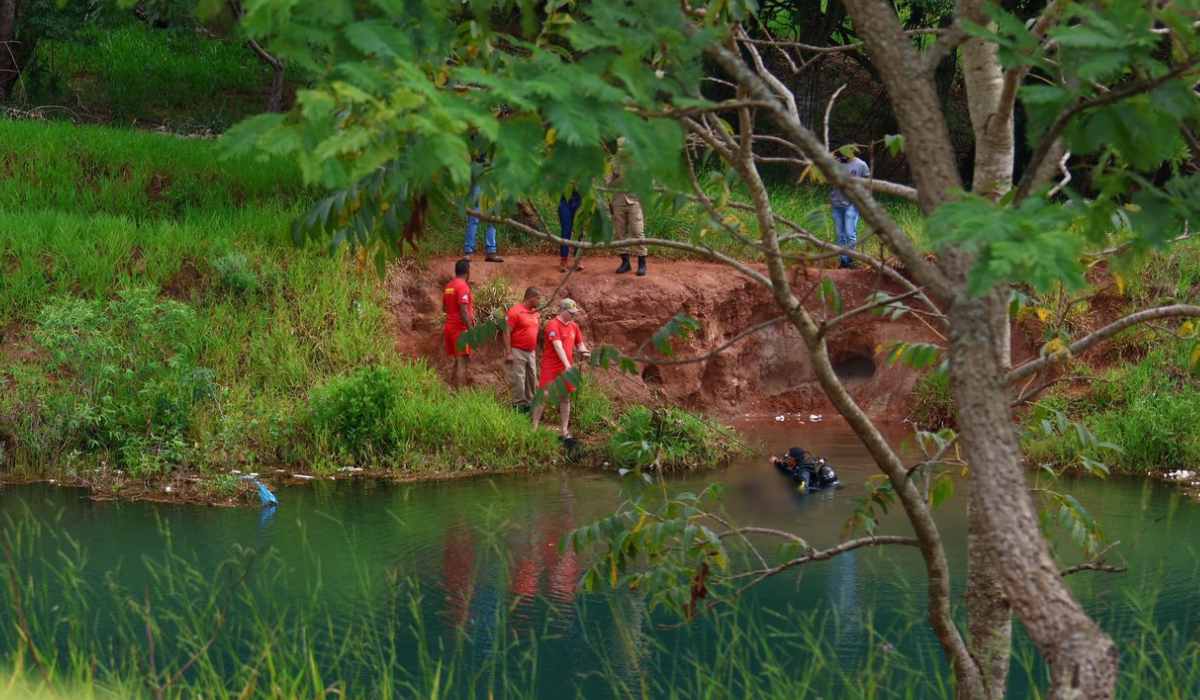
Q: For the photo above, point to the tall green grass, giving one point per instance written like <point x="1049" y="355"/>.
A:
<point x="139" y="175"/>
<point x="135" y="73"/>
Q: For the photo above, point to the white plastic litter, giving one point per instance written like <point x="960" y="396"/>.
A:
<point x="780" y="419"/>
<point x="306" y="477"/>
<point x="816" y="418"/>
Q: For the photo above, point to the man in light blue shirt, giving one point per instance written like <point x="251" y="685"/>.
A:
<point x="845" y="215"/>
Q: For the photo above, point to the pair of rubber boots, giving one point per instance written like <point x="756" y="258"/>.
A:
<point x="641" y="268"/>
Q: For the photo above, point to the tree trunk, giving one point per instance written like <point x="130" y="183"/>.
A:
<point x="9" y="69"/>
<point x="275" y="96"/>
<point x="989" y="615"/>
<point x="1082" y="659"/>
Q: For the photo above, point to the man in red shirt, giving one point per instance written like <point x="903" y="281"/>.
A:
<point x="459" y="305"/>
<point x="562" y="338"/>
<point x="520" y="336"/>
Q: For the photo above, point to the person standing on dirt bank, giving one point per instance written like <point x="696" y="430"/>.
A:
<point x="563" y="337"/>
<point x="845" y="215"/>
<point x="459" y="304"/>
<point x="520" y="336"/>
<point x="628" y="219"/>
<point x="473" y="201"/>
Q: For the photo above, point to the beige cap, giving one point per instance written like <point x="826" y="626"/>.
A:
<point x="569" y="306"/>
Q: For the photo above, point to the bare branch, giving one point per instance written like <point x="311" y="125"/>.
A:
<point x="829" y="110"/>
<point x="889" y="300"/>
<point x="824" y="554"/>
<point x="715" y="351"/>
<point x="703" y="251"/>
<point x="1096" y="563"/>
<point x="1087" y="342"/>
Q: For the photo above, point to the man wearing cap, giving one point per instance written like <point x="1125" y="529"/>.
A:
<point x="558" y="355"/>
<point x="459" y="304"/>
<point x="520" y="336"/>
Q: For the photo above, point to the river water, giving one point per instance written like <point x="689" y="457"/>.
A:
<point x="475" y="548"/>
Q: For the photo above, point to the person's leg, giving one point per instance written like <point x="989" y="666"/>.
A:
<point x="637" y="229"/>
<point x="472" y="223"/>
<point x="839" y="227"/>
<point x="851" y="227"/>
<point x="469" y="239"/>
<point x="537" y="412"/>
<point x="620" y="212"/>
<point x="564" y="414"/>
<point x="489" y="240"/>
<point x="516" y="377"/>
<point x="531" y="377"/>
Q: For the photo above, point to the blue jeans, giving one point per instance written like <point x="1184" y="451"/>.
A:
<point x="489" y="238"/>
<point x="845" y="225"/>
<point x="566" y="220"/>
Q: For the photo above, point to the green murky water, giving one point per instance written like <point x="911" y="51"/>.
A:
<point x="482" y="557"/>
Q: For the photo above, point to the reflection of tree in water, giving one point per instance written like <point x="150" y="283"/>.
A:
<point x="843" y="583"/>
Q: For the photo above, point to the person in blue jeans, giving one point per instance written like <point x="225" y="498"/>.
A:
<point x="845" y="215"/>
<point x="489" y="238"/>
<point x="567" y="206"/>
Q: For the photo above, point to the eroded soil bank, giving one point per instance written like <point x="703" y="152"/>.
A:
<point x="766" y="373"/>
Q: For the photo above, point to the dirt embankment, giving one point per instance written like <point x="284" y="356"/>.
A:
<point x="768" y="372"/>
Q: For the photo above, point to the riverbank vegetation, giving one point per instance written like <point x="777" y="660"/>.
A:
<point x="156" y="322"/>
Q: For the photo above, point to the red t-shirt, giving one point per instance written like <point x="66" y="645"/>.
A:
<point x="571" y="338"/>
<point x="455" y="296"/>
<point x="523" y="327"/>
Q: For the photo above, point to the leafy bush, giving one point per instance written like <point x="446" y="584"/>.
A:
<point x="354" y="412"/>
<point x="131" y="376"/>
<point x="405" y="414"/>
<point x="672" y="438"/>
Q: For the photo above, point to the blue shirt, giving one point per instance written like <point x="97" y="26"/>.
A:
<point x="853" y="168"/>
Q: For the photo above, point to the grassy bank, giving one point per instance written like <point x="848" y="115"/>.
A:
<point x="155" y="320"/>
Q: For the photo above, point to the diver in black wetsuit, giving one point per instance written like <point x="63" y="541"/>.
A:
<point x="813" y="475"/>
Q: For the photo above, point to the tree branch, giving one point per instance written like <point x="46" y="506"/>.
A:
<point x="824" y="554"/>
<point x="826" y="325"/>
<point x="1085" y="343"/>
<point x="1044" y="146"/>
<point x="715" y="351"/>
<point x="627" y="242"/>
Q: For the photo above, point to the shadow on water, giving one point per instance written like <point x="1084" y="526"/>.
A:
<point x="462" y="587"/>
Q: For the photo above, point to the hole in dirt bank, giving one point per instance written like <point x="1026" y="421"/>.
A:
<point x="854" y="368"/>
<point x="652" y="375"/>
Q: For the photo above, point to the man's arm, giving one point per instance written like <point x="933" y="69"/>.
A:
<point x="562" y="354"/>
<point x="466" y="316"/>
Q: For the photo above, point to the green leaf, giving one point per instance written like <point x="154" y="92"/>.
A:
<point x="941" y="489"/>
<point x="830" y="296"/>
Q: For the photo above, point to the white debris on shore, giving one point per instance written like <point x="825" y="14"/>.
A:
<point x="1179" y="475"/>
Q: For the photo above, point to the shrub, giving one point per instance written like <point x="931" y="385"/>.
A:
<point x="354" y="412"/>
<point x="406" y="415"/>
<point x="673" y="438"/>
<point x="933" y="407"/>
<point x="130" y="375"/>
<point x="235" y="274"/>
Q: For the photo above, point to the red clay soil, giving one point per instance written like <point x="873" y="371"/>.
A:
<point x="768" y="372"/>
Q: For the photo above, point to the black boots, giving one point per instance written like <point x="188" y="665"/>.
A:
<point x="641" y="268"/>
